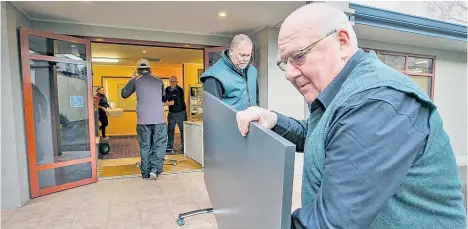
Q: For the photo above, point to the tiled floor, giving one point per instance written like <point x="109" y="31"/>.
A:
<point x="130" y="203"/>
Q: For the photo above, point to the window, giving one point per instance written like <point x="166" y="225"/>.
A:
<point x="417" y="67"/>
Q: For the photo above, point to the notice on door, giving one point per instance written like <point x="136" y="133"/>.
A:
<point x="76" y="101"/>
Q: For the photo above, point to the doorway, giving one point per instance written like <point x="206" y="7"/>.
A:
<point x="112" y="67"/>
<point x="61" y="120"/>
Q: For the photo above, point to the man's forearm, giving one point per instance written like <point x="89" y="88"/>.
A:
<point x="293" y="130"/>
<point x="129" y="89"/>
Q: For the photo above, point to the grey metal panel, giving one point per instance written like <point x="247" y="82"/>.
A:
<point x="249" y="179"/>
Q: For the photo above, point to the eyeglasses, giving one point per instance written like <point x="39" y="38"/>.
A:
<point x="300" y="57"/>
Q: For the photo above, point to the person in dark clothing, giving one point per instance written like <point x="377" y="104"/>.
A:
<point x="177" y="112"/>
<point x="102" y="104"/>
<point x="232" y="78"/>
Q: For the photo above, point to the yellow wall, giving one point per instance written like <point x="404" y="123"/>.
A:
<point x="191" y="78"/>
<point x="126" y="124"/>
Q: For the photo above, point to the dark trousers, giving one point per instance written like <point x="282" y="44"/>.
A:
<point x="174" y="119"/>
<point x="104" y="122"/>
<point x="152" y="139"/>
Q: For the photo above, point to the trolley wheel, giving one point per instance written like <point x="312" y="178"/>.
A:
<point x="104" y="148"/>
<point x="180" y="222"/>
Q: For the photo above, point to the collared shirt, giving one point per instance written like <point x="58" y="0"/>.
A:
<point x="177" y="95"/>
<point x="365" y="133"/>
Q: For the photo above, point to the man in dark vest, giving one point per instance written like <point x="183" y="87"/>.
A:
<point x="232" y="78"/>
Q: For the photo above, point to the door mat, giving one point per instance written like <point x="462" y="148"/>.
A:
<point x="132" y="169"/>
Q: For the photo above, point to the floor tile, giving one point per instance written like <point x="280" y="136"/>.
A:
<point x="5" y="214"/>
<point x="16" y="225"/>
<point x="127" y="224"/>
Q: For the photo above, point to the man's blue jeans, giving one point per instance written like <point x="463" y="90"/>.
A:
<point x="153" y="140"/>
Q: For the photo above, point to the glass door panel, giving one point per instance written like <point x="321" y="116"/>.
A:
<point x="59" y="112"/>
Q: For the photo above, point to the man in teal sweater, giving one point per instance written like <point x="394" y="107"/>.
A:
<point x="375" y="151"/>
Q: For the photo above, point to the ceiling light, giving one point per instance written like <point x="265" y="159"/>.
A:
<point x="222" y="14"/>
<point x="144" y="51"/>
<point x="187" y="46"/>
<point x="105" y="60"/>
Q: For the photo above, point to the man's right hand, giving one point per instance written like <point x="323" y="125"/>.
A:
<point x="264" y="117"/>
<point x="135" y="75"/>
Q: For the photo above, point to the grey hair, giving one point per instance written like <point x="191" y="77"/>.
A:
<point x="240" y="39"/>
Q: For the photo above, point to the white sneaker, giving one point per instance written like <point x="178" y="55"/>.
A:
<point x="153" y="176"/>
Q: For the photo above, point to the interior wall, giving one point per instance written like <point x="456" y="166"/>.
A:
<point x="125" y="124"/>
<point x="450" y="92"/>
<point x="14" y="167"/>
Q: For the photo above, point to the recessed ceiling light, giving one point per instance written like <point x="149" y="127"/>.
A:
<point x="222" y="14"/>
<point x="144" y="51"/>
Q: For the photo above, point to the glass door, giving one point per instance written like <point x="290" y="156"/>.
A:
<point x="59" y="113"/>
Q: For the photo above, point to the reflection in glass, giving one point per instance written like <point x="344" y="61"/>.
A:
<point x="60" y="112"/>
<point x="419" y="65"/>
<point x="213" y="57"/>
<point x="40" y="46"/>
<point x="396" y="62"/>
<point x="64" y="175"/>
<point x="57" y="48"/>
<point x="68" y="50"/>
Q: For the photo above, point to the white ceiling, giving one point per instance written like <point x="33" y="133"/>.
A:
<point x="128" y="55"/>
<point x="196" y="17"/>
<point x="399" y="37"/>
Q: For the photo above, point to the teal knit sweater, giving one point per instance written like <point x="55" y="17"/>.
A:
<point x="430" y="195"/>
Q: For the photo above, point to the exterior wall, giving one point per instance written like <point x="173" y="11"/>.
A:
<point x="134" y="34"/>
<point x="14" y="167"/>
<point x="260" y="40"/>
<point x="450" y="93"/>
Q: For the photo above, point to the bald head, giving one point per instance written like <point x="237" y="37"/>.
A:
<point x="315" y="42"/>
<point x="173" y="81"/>
<point x="315" y="20"/>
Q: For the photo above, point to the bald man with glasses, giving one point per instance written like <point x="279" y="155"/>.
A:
<point x="376" y="154"/>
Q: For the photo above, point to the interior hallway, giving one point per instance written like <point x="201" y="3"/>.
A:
<point x="130" y="203"/>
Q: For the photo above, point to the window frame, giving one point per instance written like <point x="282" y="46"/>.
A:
<point x="405" y="72"/>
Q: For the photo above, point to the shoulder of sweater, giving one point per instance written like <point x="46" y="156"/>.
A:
<point x="401" y="102"/>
